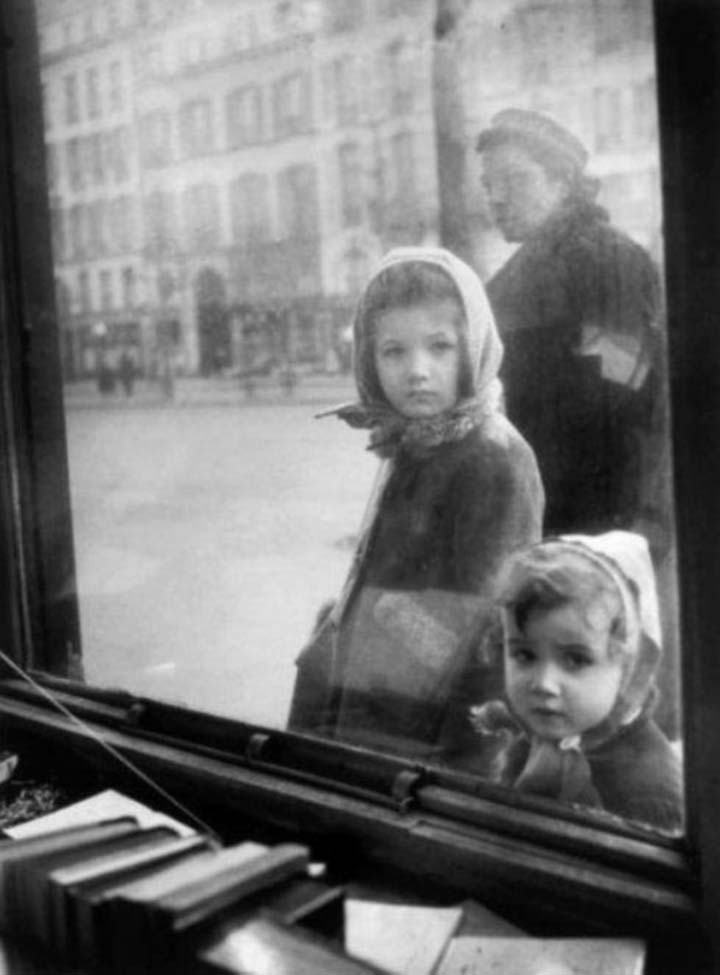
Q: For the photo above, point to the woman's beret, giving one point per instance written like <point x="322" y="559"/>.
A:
<point x="534" y="131"/>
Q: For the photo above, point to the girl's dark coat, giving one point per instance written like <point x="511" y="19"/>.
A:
<point x="446" y="523"/>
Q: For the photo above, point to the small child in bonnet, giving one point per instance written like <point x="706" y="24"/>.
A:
<point x="581" y="644"/>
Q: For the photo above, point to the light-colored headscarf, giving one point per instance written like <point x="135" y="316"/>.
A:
<point x="480" y="342"/>
<point x="390" y="430"/>
<point x="623" y="562"/>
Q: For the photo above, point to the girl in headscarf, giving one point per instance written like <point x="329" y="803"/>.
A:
<point x="458" y="490"/>
<point x="581" y="647"/>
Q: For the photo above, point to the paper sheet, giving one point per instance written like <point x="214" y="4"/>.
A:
<point x="404" y="939"/>
<point x="104" y="805"/>
<point x="543" y="956"/>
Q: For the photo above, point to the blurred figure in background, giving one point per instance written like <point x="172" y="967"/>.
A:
<point x="578" y="307"/>
<point x="126" y="372"/>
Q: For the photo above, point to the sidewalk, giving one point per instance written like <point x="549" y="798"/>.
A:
<point x="192" y="391"/>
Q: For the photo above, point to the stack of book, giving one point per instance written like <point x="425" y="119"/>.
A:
<point x="120" y="896"/>
<point x="110" y="887"/>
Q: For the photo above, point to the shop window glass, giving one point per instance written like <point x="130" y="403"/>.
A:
<point x="209" y="541"/>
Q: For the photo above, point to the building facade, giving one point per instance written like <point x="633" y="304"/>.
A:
<point x="93" y="177"/>
<point x="590" y="64"/>
<point x="224" y="173"/>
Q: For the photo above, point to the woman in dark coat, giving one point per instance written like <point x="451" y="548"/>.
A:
<point x="577" y="306"/>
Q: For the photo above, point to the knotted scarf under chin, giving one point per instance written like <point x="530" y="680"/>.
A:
<point x="391" y="432"/>
<point x="558" y="770"/>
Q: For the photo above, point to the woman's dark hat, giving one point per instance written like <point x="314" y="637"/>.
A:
<point x="535" y="132"/>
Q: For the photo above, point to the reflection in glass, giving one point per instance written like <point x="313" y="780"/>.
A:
<point x="223" y="177"/>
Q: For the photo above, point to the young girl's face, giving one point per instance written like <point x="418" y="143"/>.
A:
<point x="559" y="675"/>
<point x="417" y="357"/>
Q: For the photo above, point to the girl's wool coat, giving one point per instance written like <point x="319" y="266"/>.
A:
<point x="389" y="664"/>
<point x="625" y="765"/>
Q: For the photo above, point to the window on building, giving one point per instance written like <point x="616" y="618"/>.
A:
<point x="249" y="209"/>
<point x="72" y="105"/>
<point x="74" y="164"/>
<point x="95" y="157"/>
<point x="150" y="63"/>
<point x="117" y="153"/>
<point x="105" y="280"/>
<point x="122" y="220"/>
<point x="345" y="15"/>
<point x="394" y="8"/>
<point x="351" y="183"/>
<point x="129" y="286"/>
<point x="76" y="229"/>
<point x="293" y="111"/>
<point x="399" y="60"/>
<point x="345" y="86"/>
<point x="196" y="127"/>
<point x="244" y="116"/>
<point x="155" y="139"/>
<point x="298" y="201"/>
<point x="115" y="86"/>
<point x="87" y="160"/>
<point x="92" y="92"/>
<point x="403" y="164"/>
<point x="201" y="212"/>
<point x="160" y="222"/>
<point x="63" y="299"/>
<point x="117" y="239"/>
<point x="53" y="166"/>
<point x="84" y="294"/>
<point x="97" y="238"/>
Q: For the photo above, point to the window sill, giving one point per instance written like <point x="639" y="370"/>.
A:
<point x="392" y="818"/>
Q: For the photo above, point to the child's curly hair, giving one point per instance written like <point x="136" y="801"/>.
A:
<point x="540" y="580"/>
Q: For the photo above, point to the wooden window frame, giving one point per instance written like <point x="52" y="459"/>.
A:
<point x="583" y="872"/>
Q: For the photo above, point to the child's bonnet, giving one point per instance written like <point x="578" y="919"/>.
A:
<point x="481" y="355"/>
<point x="560" y="769"/>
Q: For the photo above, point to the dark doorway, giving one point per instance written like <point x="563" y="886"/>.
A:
<point x="213" y="325"/>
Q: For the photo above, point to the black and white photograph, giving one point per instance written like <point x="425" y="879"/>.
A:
<point x="359" y="487"/>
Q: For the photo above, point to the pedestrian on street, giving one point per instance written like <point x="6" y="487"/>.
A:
<point x="105" y="378"/>
<point x="126" y="372"/>
<point x="458" y="490"/>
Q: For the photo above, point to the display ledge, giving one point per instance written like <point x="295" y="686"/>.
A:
<point x="537" y="868"/>
<point x="356" y="772"/>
